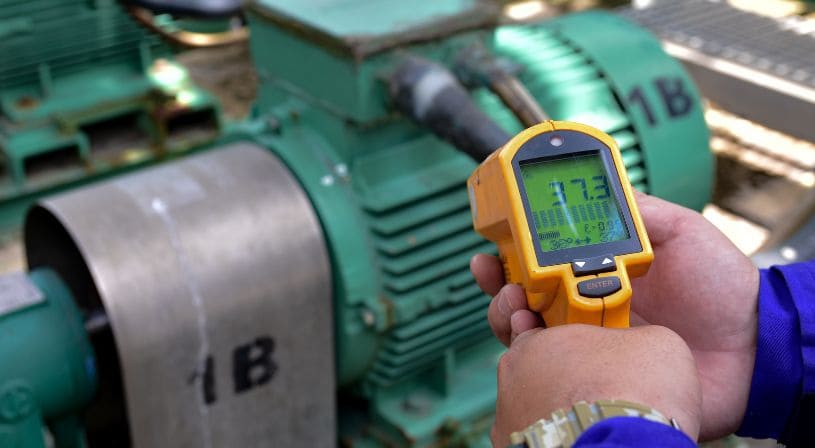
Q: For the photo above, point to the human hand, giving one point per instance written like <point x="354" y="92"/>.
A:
<point x="649" y="365"/>
<point x="699" y="285"/>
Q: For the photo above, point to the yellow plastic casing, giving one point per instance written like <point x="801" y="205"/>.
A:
<point x="499" y="215"/>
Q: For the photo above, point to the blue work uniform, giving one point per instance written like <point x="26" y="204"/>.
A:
<point x="784" y="371"/>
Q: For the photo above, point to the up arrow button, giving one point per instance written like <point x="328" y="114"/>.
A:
<point x="594" y="265"/>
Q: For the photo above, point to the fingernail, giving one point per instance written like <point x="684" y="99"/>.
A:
<point x="503" y="304"/>
<point x="514" y="320"/>
<point x="514" y="324"/>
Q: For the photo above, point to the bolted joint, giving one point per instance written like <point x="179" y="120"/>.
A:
<point x="16" y="401"/>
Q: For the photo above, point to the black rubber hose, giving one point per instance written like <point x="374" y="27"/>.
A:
<point x="476" y="66"/>
<point x="434" y="98"/>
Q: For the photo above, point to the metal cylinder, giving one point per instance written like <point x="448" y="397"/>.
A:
<point x="215" y="277"/>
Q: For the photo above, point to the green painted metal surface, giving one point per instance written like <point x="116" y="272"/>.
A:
<point x="410" y="323"/>
<point x="411" y="332"/>
<point x="661" y="99"/>
<point x="71" y="70"/>
<point x="600" y="69"/>
<point x="48" y="372"/>
<point x="415" y="357"/>
<point x="341" y="18"/>
<point x="356" y="90"/>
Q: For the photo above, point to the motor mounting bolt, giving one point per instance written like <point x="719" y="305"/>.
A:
<point x="368" y="317"/>
<point x="327" y="180"/>
<point x="16" y="402"/>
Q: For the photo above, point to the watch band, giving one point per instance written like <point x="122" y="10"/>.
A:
<point x="564" y="426"/>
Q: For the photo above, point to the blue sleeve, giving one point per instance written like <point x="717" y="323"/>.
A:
<point x="784" y="367"/>
<point x="623" y="432"/>
<point x="785" y="349"/>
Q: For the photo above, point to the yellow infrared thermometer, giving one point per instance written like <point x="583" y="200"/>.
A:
<point x="557" y="202"/>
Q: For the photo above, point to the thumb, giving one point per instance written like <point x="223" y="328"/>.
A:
<point x="661" y="217"/>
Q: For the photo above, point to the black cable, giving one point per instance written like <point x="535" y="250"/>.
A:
<point x="434" y="98"/>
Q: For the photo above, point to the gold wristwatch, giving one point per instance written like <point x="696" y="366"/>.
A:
<point x="564" y="426"/>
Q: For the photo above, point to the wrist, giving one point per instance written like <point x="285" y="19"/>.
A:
<point x="647" y="364"/>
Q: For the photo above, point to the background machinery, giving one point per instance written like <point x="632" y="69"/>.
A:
<point x="748" y="77"/>
<point x="304" y="280"/>
<point x="85" y="92"/>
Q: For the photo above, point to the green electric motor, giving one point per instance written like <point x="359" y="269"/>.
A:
<point x="86" y="92"/>
<point x="600" y="69"/>
<point x="306" y="279"/>
<point x="411" y="333"/>
<point x="48" y="372"/>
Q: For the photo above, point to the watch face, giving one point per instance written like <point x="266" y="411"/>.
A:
<point x="571" y="203"/>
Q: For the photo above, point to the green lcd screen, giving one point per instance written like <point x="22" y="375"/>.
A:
<point x="572" y="203"/>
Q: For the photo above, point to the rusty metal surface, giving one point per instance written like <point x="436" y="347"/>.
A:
<point x="227" y="73"/>
<point x="189" y="39"/>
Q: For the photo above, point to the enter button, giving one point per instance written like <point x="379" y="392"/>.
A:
<point x="599" y="287"/>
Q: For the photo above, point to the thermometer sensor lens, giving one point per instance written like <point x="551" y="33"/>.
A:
<point x="571" y="202"/>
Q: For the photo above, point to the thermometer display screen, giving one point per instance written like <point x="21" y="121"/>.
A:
<point x="571" y="202"/>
